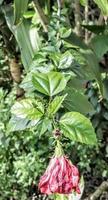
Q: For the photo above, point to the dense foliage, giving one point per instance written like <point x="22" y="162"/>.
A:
<point x="53" y="59"/>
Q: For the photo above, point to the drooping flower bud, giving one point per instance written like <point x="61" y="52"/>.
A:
<point x="57" y="133"/>
<point x="61" y="177"/>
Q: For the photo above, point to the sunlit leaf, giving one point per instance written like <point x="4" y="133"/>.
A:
<point x="25" y="109"/>
<point x="66" y="60"/>
<point x="50" y="83"/>
<point x="55" y="104"/>
<point x="78" y="128"/>
<point x="83" y="2"/>
<point x="103" y="5"/>
<point x="60" y="197"/>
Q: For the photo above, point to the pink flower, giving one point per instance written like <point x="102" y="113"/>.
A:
<point x="60" y="177"/>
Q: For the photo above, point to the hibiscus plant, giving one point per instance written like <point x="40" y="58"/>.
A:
<point x="57" y="69"/>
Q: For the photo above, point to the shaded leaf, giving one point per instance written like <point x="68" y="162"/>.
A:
<point x="18" y="124"/>
<point x="89" y="55"/>
<point x="105" y="88"/>
<point x="25" y="35"/>
<point x="20" y="8"/>
<point x="78" y="128"/>
<point x="95" y="28"/>
<point x="44" y="125"/>
<point x="77" y="84"/>
<point x="76" y="41"/>
<point x="99" y="44"/>
<point x="1" y="1"/>
<point x="27" y="84"/>
<point x="77" y="101"/>
<point x="92" y="62"/>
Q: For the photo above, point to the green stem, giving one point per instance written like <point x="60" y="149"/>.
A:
<point x="59" y="197"/>
<point x="58" y="150"/>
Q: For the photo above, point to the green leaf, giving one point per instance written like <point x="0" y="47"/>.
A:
<point x="103" y="5"/>
<point x="89" y="56"/>
<point x="55" y="104"/>
<point x="65" y="31"/>
<point x="44" y="125"/>
<point x="99" y="44"/>
<point x="1" y="1"/>
<point x="97" y="29"/>
<point x="92" y="62"/>
<point x="20" y="8"/>
<point x="78" y="84"/>
<point x="27" y="84"/>
<point x="50" y="83"/>
<point x="28" y="47"/>
<point x="25" y="109"/>
<point x="83" y="2"/>
<point x="26" y="36"/>
<point x="77" y="101"/>
<point x="76" y="41"/>
<point x="19" y="124"/>
<point x="29" y="14"/>
<point x="66" y="60"/>
<point x="78" y="128"/>
<point x="26" y="114"/>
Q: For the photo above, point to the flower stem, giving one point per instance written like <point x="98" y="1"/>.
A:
<point x="58" y="150"/>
